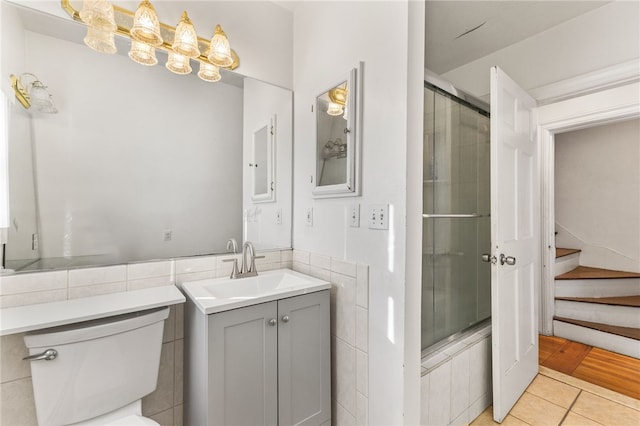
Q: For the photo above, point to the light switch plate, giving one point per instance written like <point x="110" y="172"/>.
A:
<point x="279" y="216"/>
<point x="309" y="216"/>
<point x="354" y="215"/>
<point x="378" y="216"/>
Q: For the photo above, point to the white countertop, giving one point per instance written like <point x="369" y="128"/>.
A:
<point x="222" y="294"/>
<point x="35" y="317"/>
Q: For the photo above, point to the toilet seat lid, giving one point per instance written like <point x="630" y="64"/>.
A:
<point x="133" y="421"/>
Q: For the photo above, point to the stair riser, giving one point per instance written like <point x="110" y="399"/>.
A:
<point x="623" y="316"/>
<point x="588" y="336"/>
<point x="565" y="264"/>
<point x="603" y="287"/>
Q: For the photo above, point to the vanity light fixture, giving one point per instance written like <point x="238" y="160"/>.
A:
<point x="148" y="34"/>
<point x="146" y="26"/>
<point x="185" y="41"/>
<point x="209" y="72"/>
<point x="178" y="64"/>
<point x="101" y="25"/>
<point x="142" y="53"/>
<point x="33" y="95"/>
<point x="337" y="101"/>
<point x="220" y="52"/>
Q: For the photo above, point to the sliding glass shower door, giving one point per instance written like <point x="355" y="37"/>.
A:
<point x="456" y="284"/>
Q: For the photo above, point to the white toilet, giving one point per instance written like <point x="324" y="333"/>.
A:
<point x="100" y="371"/>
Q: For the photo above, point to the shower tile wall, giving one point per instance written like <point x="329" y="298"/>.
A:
<point x="164" y="405"/>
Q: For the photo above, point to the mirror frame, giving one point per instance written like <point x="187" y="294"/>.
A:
<point x="351" y="187"/>
<point x="270" y="194"/>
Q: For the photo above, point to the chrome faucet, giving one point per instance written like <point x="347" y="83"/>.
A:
<point x="232" y="245"/>
<point x="248" y="268"/>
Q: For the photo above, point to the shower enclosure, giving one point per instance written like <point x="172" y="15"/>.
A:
<point x="456" y="284"/>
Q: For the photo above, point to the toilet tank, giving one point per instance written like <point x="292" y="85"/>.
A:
<point x="101" y="365"/>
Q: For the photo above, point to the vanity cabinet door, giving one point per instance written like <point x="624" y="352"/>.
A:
<point x="243" y="366"/>
<point x="304" y="360"/>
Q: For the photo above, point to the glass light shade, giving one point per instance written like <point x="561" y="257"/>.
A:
<point x="209" y="72"/>
<point x="98" y="14"/>
<point x="185" y="41"/>
<point x="146" y="27"/>
<point x="100" y="41"/>
<point x="41" y="98"/>
<point x="178" y="63"/>
<point x="143" y="53"/>
<point x="219" y="51"/>
<point x="334" y="109"/>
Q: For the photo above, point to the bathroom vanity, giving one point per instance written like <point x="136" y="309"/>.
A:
<point x="257" y="350"/>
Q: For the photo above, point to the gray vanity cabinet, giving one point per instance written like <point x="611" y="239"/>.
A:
<point x="265" y="364"/>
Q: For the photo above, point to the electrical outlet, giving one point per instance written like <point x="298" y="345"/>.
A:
<point x="34" y="242"/>
<point x="354" y="215"/>
<point x="279" y="216"/>
<point x="378" y="216"/>
<point x="166" y="235"/>
<point x="309" y="216"/>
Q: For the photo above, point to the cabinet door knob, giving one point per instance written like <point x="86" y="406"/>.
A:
<point x="285" y="318"/>
<point x="273" y="321"/>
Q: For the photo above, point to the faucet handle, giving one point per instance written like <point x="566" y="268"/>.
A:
<point x="234" y="270"/>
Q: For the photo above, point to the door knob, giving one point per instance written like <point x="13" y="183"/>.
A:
<point x="486" y="257"/>
<point x="273" y="321"/>
<point x="509" y="260"/>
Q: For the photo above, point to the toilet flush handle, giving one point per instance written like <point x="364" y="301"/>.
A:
<point x="48" y="355"/>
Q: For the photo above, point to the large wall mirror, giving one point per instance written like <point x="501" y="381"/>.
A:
<point x="338" y="115"/>
<point x="138" y="164"/>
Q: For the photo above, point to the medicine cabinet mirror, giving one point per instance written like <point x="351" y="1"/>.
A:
<point x="262" y="163"/>
<point x="337" y="110"/>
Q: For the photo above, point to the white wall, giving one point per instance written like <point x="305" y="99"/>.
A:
<point x="597" y="194"/>
<point x="330" y="38"/>
<point x="262" y="102"/>
<point x="603" y="37"/>
<point x="259" y="31"/>
<point x="132" y="150"/>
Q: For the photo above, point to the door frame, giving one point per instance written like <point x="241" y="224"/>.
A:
<point x="595" y="109"/>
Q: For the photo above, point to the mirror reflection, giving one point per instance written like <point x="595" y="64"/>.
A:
<point x="332" y="117"/>
<point x="337" y="139"/>
<point x="138" y="164"/>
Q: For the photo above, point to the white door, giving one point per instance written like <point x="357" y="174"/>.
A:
<point x="515" y="241"/>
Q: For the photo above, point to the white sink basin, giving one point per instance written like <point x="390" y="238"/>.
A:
<point x="222" y="294"/>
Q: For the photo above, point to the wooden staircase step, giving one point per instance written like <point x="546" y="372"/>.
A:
<point x="561" y="252"/>
<point x="629" y="332"/>
<point x="588" y="273"/>
<point x="633" y="301"/>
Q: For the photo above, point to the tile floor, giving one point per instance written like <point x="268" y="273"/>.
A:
<point x="555" y="398"/>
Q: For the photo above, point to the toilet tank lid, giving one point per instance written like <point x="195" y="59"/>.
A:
<point x="94" y="329"/>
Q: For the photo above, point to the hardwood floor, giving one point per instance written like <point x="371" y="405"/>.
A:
<point x="610" y="370"/>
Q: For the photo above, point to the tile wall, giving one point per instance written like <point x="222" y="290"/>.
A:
<point x="349" y="332"/>
<point x="456" y="382"/>
<point x="165" y="404"/>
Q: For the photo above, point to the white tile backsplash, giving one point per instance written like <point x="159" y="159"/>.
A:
<point x="149" y="282"/>
<point x="28" y="283"/>
<point x="97" y="289"/>
<point x="195" y="264"/>
<point x="97" y="276"/>
<point x="344" y="267"/>
<point x="33" y="298"/>
<point x="320" y="261"/>
<point x="362" y="372"/>
<point x="459" y="384"/>
<point x="344" y="307"/>
<point x="142" y="270"/>
<point x="362" y="286"/>
<point x="362" y="331"/>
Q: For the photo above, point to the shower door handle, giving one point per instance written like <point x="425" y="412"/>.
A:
<point x="486" y="257"/>
<point x="509" y="260"/>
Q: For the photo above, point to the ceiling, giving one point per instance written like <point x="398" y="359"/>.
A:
<point x="497" y="24"/>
